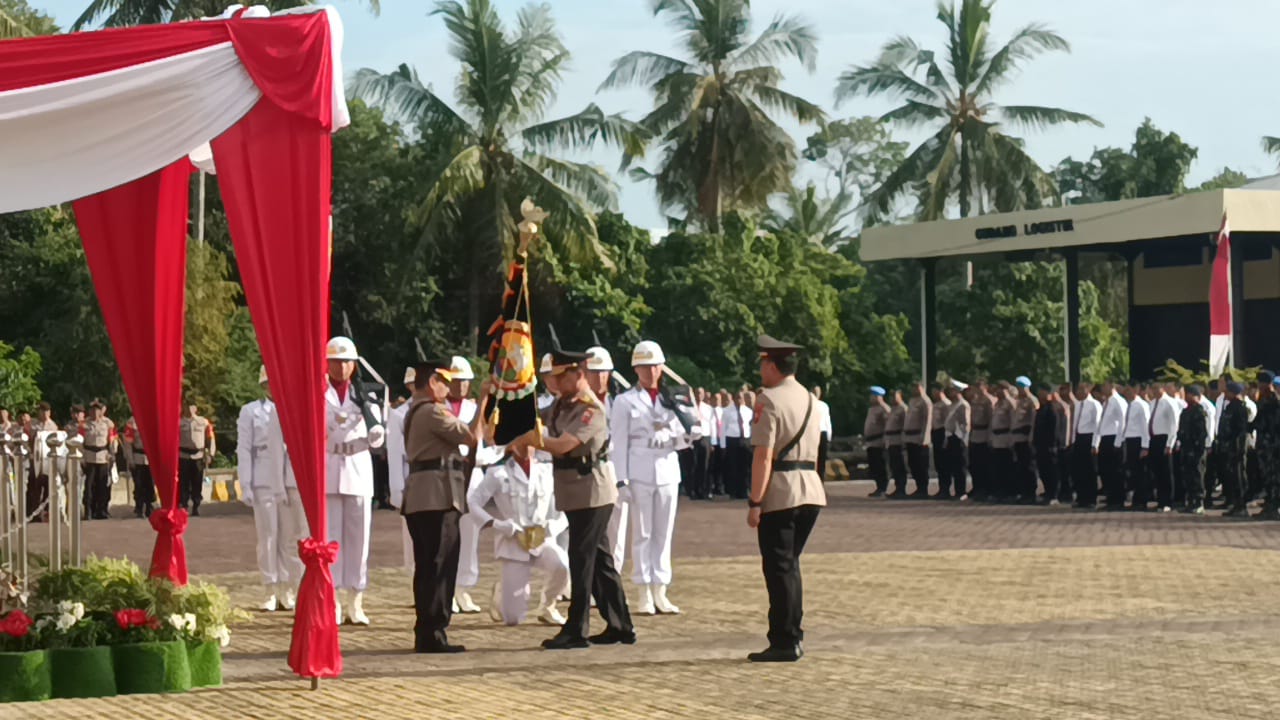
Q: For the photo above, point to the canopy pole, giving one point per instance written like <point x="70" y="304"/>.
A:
<point x="928" y="320"/>
<point x="200" y="211"/>
<point x="1072" y="281"/>
<point x="1236" y="357"/>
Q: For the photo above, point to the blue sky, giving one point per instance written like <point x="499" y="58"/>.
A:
<point x="1195" y="67"/>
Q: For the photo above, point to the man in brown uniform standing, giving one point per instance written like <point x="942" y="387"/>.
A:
<point x="786" y="493"/>
<point x="917" y="434"/>
<point x="577" y="437"/>
<point x="435" y="496"/>
<point x="938" y="435"/>
<point x="99" y="448"/>
<point x="1003" y="486"/>
<point x="893" y="446"/>
<point x="980" y="441"/>
<point x="873" y="438"/>
<point x="195" y="452"/>
<point x="1022" y="421"/>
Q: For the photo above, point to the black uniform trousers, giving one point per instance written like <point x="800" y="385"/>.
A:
<point x="1065" y="460"/>
<point x="1111" y="469"/>
<point x="1253" y="475"/>
<point x="918" y="460"/>
<point x="1231" y="473"/>
<point x="1161" y="464"/>
<point x="37" y="492"/>
<point x="436" y="545"/>
<point x="782" y="535"/>
<point x="1002" y="485"/>
<point x="1024" y="472"/>
<point x="1047" y="466"/>
<point x="898" y="467"/>
<point x="980" y="468"/>
<point x="954" y="462"/>
<point x="381" y="480"/>
<point x="1137" y="477"/>
<point x="190" y="482"/>
<point x="824" y="446"/>
<point x="592" y="574"/>
<point x="877" y="469"/>
<point x="693" y="469"/>
<point x="1210" y="474"/>
<point x="97" y="490"/>
<point x="144" y="487"/>
<point x="715" y="471"/>
<point x="1190" y="468"/>
<point x="737" y="467"/>
<point x="938" y="442"/>
<point x="1084" y="471"/>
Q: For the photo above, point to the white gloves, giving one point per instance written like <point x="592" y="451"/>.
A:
<point x="505" y="527"/>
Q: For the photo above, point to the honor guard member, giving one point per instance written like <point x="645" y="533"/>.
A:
<point x="1024" y="416"/>
<point x="549" y="391"/>
<point x="938" y="435"/>
<point x="100" y="443"/>
<point x="269" y="487"/>
<point x="398" y="462"/>
<point x="873" y="438"/>
<point x="893" y="446"/>
<point x="195" y="452"/>
<point x="1266" y="425"/>
<point x="980" y="442"/>
<point x="1165" y="412"/>
<point x="1045" y="442"/>
<point x="435" y="497"/>
<point x="599" y="368"/>
<point x="786" y="492"/>
<point x="349" y="476"/>
<point x="525" y="526"/>
<point x="144" y="486"/>
<point x="917" y="434"/>
<point x="577" y="436"/>
<point x="646" y="437"/>
<point x="465" y="409"/>
<point x="955" y="439"/>
<point x="1193" y="439"/>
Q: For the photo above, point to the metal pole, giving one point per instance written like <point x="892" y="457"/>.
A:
<point x="924" y="331"/>
<point x="23" y="451"/>
<point x="74" y="501"/>
<point x="55" y="502"/>
<point x="200" y="210"/>
<point x="1066" y="323"/>
<point x="6" y="464"/>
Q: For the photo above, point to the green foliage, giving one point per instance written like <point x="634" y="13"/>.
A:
<point x="19" y="19"/>
<point x="19" y="389"/>
<point x="119" y="13"/>
<point x="104" y="585"/>
<point x="1156" y="164"/>
<point x="1172" y="371"/>
<point x="1225" y="180"/>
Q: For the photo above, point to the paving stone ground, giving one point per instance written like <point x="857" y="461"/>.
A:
<point x="914" y="610"/>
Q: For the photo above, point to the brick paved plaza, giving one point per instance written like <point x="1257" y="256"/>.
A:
<point x="914" y="610"/>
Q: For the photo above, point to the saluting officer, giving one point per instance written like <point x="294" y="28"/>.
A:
<point x="435" y="497"/>
<point x="195" y="451"/>
<point x="577" y="437"/>
<point x="956" y="439"/>
<point x="99" y="447"/>
<point x="786" y="492"/>
<point x="980" y="442"/>
<point x="1025" y="406"/>
<point x="917" y="432"/>
<point x="893" y="438"/>
<point x="873" y="438"/>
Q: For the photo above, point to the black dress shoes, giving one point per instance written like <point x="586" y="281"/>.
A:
<point x="613" y="637"/>
<point x="790" y="653"/>
<point x="565" y="642"/>
<point x="438" y="648"/>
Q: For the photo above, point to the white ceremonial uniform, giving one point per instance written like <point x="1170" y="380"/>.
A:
<point x="1164" y="418"/>
<point x="824" y="417"/>
<point x="522" y="501"/>
<point x="646" y="436"/>
<point x="1112" y="422"/>
<point x="468" y="526"/>
<point x="616" y="532"/>
<point x="1087" y="413"/>
<point x="269" y="487"/>
<point x="349" y="485"/>
<point x="1211" y="413"/>
<point x="398" y="470"/>
<point x="1137" y="422"/>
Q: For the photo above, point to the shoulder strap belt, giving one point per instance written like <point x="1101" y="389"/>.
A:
<point x="804" y="425"/>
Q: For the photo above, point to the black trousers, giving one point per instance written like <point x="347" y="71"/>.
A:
<point x="877" y="468"/>
<point x="938" y="444"/>
<point x="824" y="445"/>
<point x="954" y="462"/>
<point x="1161" y="470"/>
<point x="1065" y="488"/>
<point x="1002" y="472"/>
<point x="1084" y="471"/>
<point x="918" y="461"/>
<point x="1111" y="468"/>
<point x="738" y="467"/>
<point x="1231" y="471"/>
<point x="693" y="469"/>
<point x="898" y="468"/>
<point x="715" y="471"/>
<point x="97" y="490"/>
<point x="1047" y="466"/>
<point x="190" y="482"/>
<point x="1210" y="473"/>
<point x="980" y="468"/>
<point x="381" y="479"/>
<point x="592" y="574"/>
<point x="1136" y="475"/>
<point x="782" y="535"/>
<point x="1024" y="462"/>
<point x="1253" y="475"/>
<point x="1190" y="468"/>
<point x="144" y="487"/>
<point x="37" y="492"/>
<point x="436" y="544"/>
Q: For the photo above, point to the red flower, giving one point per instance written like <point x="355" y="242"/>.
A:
<point x="16" y="624"/>
<point x="134" y="618"/>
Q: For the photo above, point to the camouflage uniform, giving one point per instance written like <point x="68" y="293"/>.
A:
<point x="1193" y="434"/>
<point x="1267" y="425"/>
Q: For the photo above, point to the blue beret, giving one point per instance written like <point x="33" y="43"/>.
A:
<point x="877" y="391"/>
<point x="1275" y="381"/>
<point x="1022" y="381"/>
<point x="1235" y="387"/>
<point x="1266" y="376"/>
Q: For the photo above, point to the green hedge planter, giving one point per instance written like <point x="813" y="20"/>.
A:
<point x="206" y="664"/>
<point x="139" y="667"/>
<point x="82" y="672"/>
<point x="24" y="676"/>
<point x="177" y="668"/>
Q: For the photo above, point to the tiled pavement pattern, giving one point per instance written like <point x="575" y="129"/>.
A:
<point x="915" y="610"/>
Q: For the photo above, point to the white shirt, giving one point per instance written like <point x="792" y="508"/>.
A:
<point x="397" y="460"/>
<point x="1113" y="414"/>
<point x="824" y="417"/>
<point x="1164" y="419"/>
<point x="1137" y="423"/>
<point x="1086" y="416"/>
<point x="707" y="423"/>
<point x="646" y="436"/>
<point x="718" y="422"/>
<point x="731" y="419"/>
<point x="527" y="501"/>
<point x="1252" y="408"/>
<point x="1212" y="414"/>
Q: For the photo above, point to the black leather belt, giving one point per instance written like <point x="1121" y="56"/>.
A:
<point x="1000" y="432"/>
<point x="95" y="448"/>
<point x="139" y="451"/>
<point x="583" y="465"/>
<point x="873" y="438"/>
<point x="981" y="427"/>
<point x="787" y="465"/>
<point x="1025" y="429"/>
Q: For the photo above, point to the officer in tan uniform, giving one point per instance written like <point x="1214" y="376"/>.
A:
<point x="786" y="492"/>
<point x="873" y="438"/>
<point x="435" y="497"/>
<point x="577" y="436"/>
<point x="980" y="441"/>
<point x="144" y="486"/>
<point x="100" y="443"/>
<point x="938" y="437"/>
<point x="195" y="452"/>
<point x="893" y="446"/>
<point x="1002" y="487"/>
<point x="1025" y="406"/>
<point x="917" y="435"/>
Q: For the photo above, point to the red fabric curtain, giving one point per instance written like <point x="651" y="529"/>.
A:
<point x="135" y="240"/>
<point x="275" y="175"/>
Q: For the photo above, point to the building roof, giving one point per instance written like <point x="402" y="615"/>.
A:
<point x="1255" y="209"/>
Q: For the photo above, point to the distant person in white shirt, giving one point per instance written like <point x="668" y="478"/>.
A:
<point x="1110" y="443"/>
<point x="822" y="413"/>
<point x="1164" y="430"/>
<point x="1137" y="442"/>
<point x="1084" y="469"/>
<point x="737" y="434"/>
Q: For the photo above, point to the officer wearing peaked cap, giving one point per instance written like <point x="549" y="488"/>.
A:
<point x="786" y="492"/>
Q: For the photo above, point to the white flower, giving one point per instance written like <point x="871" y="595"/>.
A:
<point x="65" y="622"/>
<point x="178" y="622"/>
<point x="44" y="622"/>
<point x="222" y="635"/>
<point x="66" y="607"/>
<point x="190" y="619"/>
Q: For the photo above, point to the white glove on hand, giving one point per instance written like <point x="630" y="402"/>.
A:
<point x="505" y="527"/>
<point x="624" y="494"/>
<point x="377" y="436"/>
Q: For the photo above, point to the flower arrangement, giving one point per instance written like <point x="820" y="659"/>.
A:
<point x="135" y="625"/>
<point x="16" y="632"/>
<point x="71" y="627"/>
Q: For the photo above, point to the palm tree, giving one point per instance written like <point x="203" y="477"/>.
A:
<point x="722" y="149"/>
<point x="121" y="13"/>
<point x="509" y="79"/>
<point x="1271" y="145"/>
<point x="818" y="219"/>
<point x="968" y="156"/>
<point x="18" y="19"/>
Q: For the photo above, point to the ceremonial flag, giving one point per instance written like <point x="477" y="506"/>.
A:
<point x="1220" y="310"/>
<point x="513" y="408"/>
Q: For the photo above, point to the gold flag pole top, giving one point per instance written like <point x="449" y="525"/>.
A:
<point x="530" y="227"/>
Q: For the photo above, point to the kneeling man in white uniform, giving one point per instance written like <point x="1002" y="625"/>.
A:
<point x="525" y="529"/>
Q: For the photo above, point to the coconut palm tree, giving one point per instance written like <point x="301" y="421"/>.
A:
<point x="19" y="19"/>
<point x="1271" y="145"/>
<point x="969" y="156"/>
<point x="509" y="79"/>
<point x="121" y="13"/>
<point x="818" y="219"/>
<point x="721" y="147"/>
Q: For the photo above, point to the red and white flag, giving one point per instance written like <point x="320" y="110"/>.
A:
<point x="1220" y="311"/>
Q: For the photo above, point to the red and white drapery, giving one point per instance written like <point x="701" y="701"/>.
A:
<point x="106" y="119"/>
<point x="1221" y="320"/>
